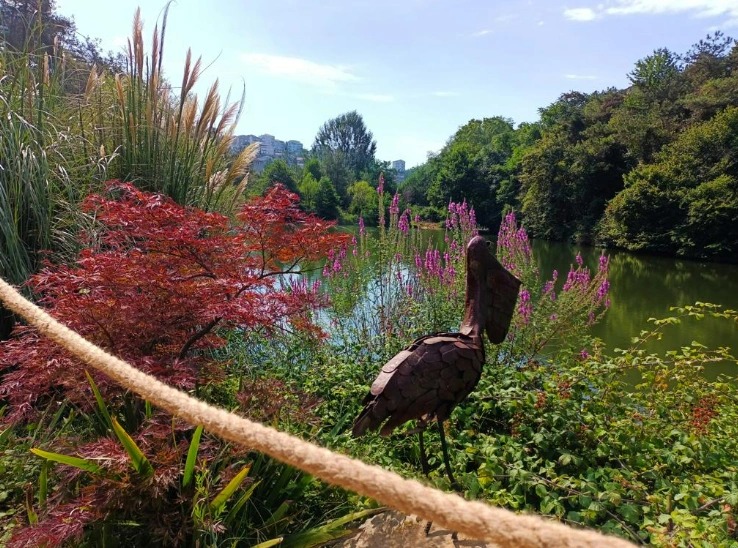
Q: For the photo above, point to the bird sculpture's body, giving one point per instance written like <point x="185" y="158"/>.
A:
<point x="436" y="372"/>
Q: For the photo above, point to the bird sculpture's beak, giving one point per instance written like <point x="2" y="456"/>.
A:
<point x="502" y="290"/>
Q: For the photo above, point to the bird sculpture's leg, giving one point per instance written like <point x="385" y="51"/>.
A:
<point x="455" y="486"/>
<point x="423" y="457"/>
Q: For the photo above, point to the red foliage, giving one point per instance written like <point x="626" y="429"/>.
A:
<point x="156" y="282"/>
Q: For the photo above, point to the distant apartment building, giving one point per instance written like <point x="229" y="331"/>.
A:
<point x="399" y="167"/>
<point x="270" y="149"/>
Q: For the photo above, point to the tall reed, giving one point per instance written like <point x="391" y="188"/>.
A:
<point x="168" y="141"/>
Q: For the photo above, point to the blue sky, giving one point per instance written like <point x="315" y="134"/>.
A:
<point x="415" y="69"/>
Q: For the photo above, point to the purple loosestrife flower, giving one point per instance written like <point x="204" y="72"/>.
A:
<point x="525" y="307"/>
<point x="362" y="228"/>
<point x="380" y="186"/>
<point x="549" y="286"/>
<point x="450" y="273"/>
<point x="584" y="354"/>
<point x="418" y="261"/>
<point x="403" y="224"/>
<point x="602" y="290"/>
<point x="395" y="207"/>
<point x="513" y="246"/>
<point x="604" y="263"/>
<point x="578" y="278"/>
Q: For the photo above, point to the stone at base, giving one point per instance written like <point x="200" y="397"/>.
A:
<point x="391" y="529"/>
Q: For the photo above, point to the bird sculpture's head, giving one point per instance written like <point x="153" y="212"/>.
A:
<point x="491" y="291"/>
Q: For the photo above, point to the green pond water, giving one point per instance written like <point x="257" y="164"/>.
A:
<point x="644" y="286"/>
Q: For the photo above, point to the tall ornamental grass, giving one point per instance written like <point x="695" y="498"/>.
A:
<point x="67" y="126"/>
<point x="167" y="141"/>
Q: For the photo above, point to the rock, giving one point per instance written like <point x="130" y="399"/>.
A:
<point x="392" y="529"/>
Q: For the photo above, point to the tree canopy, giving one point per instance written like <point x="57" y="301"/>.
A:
<point x="649" y="167"/>
<point x="347" y="137"/>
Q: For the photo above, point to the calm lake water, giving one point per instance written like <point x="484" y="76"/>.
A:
<point x="644" y="286"/>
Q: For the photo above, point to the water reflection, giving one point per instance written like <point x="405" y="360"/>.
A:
<point x="644" y="286"/>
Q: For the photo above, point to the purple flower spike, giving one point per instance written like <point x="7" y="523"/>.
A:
<point x="395" y="208"/>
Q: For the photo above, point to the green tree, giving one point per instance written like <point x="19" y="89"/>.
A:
<point x="684" y="202"/>
<point x="308" y="190"/>
<point x="312" y="166"/>
<point x="335" y="167"/>
<point x="276" y="171"/>
<point x="347" y="134"/>
<point x="326" y="200"/>
<point x="35" y="24"/>
<point x="364" y="201"/>
<point x="657" y="74"/>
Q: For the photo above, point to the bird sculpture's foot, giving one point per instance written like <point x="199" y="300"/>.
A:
<point x="429" y="524"/>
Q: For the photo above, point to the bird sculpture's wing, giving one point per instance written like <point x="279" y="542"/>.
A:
<point x="426" y="379"/>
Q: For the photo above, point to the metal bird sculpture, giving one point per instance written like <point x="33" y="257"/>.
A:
<point x="437" y="372"/>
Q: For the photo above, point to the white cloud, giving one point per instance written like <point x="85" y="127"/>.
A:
<point x="482" y="32"/>
<point x="696" y="8"/>
<point x="580" y="14"/>
<point x="301" y="70"/>
<point x="700" y="8"/>
<point x="375" y="97"/>
<point x="445" y="93"/>
<point x="580" y="77"/>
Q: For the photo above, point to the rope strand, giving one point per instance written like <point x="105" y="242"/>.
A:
<point x="475" y="519"/>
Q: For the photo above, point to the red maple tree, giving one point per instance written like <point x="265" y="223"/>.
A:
<point x="155" y="284"/>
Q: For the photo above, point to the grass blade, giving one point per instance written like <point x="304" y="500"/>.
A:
<point x="83" y="464"/>
<point x="100" y="402"/>
<point x="269" y="543"/>
<point x="189" y="468"/>
<point x="233" y="513"/>
<point x="330" y="531"/>
<point x="222" y="497"/>
<point x="138" y="460"/>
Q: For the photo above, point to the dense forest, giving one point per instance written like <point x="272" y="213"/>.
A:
<point x="653" y="167"/>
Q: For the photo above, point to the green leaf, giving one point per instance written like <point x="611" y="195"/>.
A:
<point x="222" y="497"/>
<point x="43" y="484"/>
<point x="138" y="460"/>
<point x="330" y="531"/>
<point x="100" y="402"/>
<point x="269" y="543"/>
<point x="189" y="468"/>
<point x="233" y="513"/>
<point x="83" y="464"/>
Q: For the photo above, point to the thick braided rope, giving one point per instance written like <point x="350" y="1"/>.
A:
<point x="475" y="519"/>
